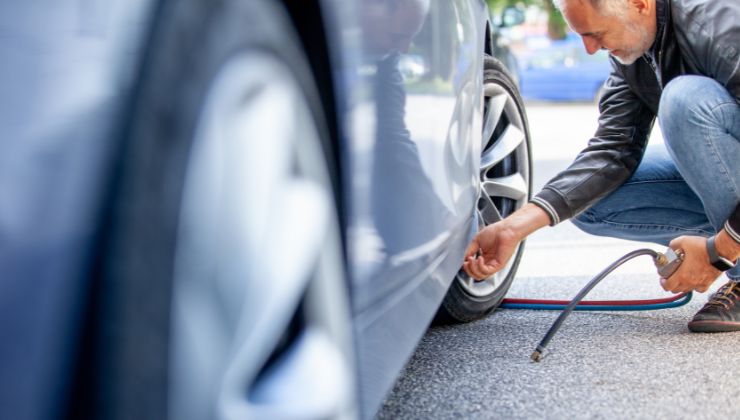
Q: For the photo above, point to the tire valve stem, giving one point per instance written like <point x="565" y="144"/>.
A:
<point x="667" y="263"/>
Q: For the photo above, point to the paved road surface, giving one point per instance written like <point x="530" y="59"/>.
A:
<point x="602" y="365"/>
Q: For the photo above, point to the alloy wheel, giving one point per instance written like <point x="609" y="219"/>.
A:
<point x="504" y="172"/>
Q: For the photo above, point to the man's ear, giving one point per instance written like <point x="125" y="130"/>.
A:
<point x="642" y="6"/>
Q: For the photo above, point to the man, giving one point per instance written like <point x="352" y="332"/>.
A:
<point x="678" y="60"/>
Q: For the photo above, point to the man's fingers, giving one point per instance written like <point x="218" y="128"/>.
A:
<point x="484" y="269"/>
<point x="472" y="249"/>
<point x="470" y="268"/>
<point x="467" y="269"/>
<point x="675" y="287"/>
<point x="669" y="286"/>
<point x="478" y="269"/>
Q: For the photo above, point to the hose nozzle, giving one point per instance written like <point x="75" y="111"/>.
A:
<point x="667" y="263"/>
<point x="537" y="355"/>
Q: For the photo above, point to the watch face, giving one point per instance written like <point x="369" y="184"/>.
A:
<point x="722" y="264"/>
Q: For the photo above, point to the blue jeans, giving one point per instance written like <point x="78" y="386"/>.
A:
<point x="690" y="186"/>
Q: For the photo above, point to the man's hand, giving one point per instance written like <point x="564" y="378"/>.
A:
<point x="695" y="272"/>
<point x="495" y="244"/>
<point x="490" y="250"/>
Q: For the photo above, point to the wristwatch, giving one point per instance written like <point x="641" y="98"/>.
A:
<point x="719" y="262"/>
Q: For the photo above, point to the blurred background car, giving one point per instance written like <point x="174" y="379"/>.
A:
<point x="562" y="70"/>
<point x="243" y="208"/>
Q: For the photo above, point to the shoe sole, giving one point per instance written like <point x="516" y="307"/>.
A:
<point x="713" y="326"/>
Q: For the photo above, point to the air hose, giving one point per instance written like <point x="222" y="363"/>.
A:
<point x="667" y="263"/>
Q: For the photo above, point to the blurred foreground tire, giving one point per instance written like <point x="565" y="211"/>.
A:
<point x="223" y="294"/>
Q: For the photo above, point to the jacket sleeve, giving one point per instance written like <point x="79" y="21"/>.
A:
<point x="611" y="156"/>
<point x="732" y="226"/>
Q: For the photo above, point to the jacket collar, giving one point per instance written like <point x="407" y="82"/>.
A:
<point x="661" y="11"/>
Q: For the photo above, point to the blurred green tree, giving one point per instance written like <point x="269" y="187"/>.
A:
<point x="556" y="26"/>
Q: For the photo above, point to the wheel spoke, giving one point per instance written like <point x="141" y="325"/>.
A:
<point x="504" y="146"/>
<point x="495" y="105"/>
<point x="512" y="186"/>
<point x="487" y="211"/>
<point x="481" y="220"/>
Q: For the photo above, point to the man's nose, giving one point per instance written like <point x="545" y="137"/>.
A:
<point x="591" y="45"/>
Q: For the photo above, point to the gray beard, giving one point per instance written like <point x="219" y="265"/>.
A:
<point x="640" y="50"/>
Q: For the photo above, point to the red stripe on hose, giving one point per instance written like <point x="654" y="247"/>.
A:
<point x="597" y="302"/>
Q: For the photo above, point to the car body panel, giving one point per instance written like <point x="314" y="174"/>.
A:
<point x="412" y="150"/>
<point x="66" y="67"/>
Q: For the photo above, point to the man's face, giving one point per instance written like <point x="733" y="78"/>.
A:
<point x="627" y="36"/>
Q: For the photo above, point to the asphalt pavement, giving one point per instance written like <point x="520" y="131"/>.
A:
<point x="601" y="365"/>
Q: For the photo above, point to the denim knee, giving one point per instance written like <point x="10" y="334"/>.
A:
<point x="684" y="99"/>
<point x="684" y="94"/>
<point x="586" y="221"/>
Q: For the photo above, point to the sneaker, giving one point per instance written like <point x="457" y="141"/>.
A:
<point x="721" y="313"/>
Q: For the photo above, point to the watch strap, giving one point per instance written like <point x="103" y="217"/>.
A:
<point x="719" y="262"/>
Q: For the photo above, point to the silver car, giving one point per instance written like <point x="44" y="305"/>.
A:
<point x="243" y="209"/>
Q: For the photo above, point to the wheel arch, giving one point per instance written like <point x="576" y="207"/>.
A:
<point x="309" y="19"/>
<point x="488" y="45"/>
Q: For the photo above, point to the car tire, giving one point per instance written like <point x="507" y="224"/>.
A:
<point x="506" y="184"/>
<point x="223" y="291"/>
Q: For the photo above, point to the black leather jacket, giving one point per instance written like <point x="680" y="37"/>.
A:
<point x="693" y="37"/>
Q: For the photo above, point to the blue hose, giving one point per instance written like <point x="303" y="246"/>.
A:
<point x="548" y="307"/>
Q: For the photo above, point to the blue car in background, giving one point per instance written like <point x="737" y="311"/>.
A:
<point x="243" y="209"/>
<point x="562" y="70"/>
